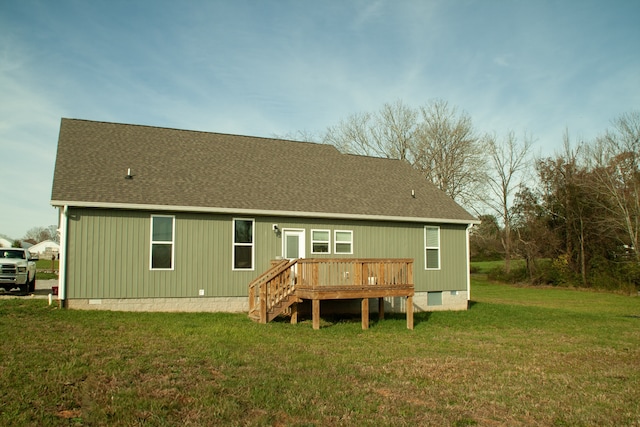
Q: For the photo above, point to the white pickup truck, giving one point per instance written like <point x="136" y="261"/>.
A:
<point x="17" y="270"/>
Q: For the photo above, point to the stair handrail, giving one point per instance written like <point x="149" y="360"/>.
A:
<point x="261" y="295"/>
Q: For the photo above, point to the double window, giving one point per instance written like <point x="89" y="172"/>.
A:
<point x="342" y="242"/>
<point x="431" y="247"/>
<point x="162" y="242"/>
<point x="243" y="244"/>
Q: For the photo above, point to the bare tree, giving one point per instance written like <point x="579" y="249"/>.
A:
<point x="388" y="133"/>
<point x="507" y="162"/>
<point x="448" y="152"/>
<point x="616" y="166"/>
<point x="435" y="139"/>
<point x="40" y="234"/>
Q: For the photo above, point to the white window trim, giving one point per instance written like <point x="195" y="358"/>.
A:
<point x="328" y="242"/>
<point x="162" y="242"/>
<point x="432" y="247"/>
<point x="234" y="244"/>
<point x="335" y="242"/>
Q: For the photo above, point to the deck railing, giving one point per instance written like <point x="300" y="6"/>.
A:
<point x="288" y="282"/>
<point x="336" y="273"/>
<point x="270" y="289"/>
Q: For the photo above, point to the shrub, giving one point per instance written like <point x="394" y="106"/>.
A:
<point x="518" y="274"/>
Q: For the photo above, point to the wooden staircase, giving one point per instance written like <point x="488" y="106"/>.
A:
<point x="273" y="292"/>
<point x="278" y="290"/>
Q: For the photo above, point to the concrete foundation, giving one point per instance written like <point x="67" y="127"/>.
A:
<point x="451" y="300"/>
<point x="219" y="304"/>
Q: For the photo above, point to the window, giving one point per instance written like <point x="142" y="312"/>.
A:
<point x="432" y="248"/>
<point x="320" y="241"/>
<point x="243" y="244"/>
<point x="162" y="242"/>
<point x="343" y="242"/>
<point x="434" y="298"/>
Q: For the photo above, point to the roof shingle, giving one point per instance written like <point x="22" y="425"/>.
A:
<point x="202" y="170"/>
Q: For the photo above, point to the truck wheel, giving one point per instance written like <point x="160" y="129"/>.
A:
<point x="25" y="288"/>
<point x="32" y="285"/>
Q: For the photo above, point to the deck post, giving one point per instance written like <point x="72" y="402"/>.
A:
<point x="365" y="313"/>
<point x="294" y="313"/>
<point x="381" y="308"/>
<point x="410" y="312"/>
<point x="315" y="313"/>
<point x="263" y="303"/>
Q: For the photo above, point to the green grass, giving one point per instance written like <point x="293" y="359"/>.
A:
<point x="484" y="267"/>
<point x="43" y="267"/>
<point x="45" y="264"/>
<point x="519" y="356"/>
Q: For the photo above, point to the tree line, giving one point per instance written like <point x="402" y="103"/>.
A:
<point x="36" y="235"/>
<point x="573" y="217"/>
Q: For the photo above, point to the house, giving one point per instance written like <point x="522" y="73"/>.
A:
<point x="4" y="243"/>
<point x="45" y="249"/>
<point x="175" y="220"/>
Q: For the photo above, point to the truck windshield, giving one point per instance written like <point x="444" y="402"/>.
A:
<point x="8" y="253"/>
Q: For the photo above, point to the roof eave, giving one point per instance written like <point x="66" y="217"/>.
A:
<point x="258" y="212"/>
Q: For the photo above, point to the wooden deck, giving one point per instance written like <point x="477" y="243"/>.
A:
<point x="287" y="283"/>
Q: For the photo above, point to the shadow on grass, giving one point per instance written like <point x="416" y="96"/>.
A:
<point x="333" y="319"/>
<point x="328" y="320"/>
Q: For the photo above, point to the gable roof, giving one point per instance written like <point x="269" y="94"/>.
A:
<point x="42" y="247"/>
<point x="183" y="170"/>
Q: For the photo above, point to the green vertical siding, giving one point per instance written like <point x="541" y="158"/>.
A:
<point x="108" y="253"/>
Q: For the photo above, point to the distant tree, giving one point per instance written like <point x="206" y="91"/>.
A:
<point x="508" y="160"/>
<point x="448" y="151"/>
<point x="388" y="133"/>
<point x="569" y="202"/>
<point x="53" y="233"/>
<point x="484" y="239"/>
<point x="40" y="234"/>
<point x="435" y="139"/>
<point x="301" y="135"/>
<point x="616" y="167"/>
<point x="16" y="244"/>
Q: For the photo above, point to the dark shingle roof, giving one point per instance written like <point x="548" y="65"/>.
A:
<point x="191" y="170"/>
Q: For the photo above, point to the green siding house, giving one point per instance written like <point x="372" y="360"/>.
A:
<point x="163" y="219"/>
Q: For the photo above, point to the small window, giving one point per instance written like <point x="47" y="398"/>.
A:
<point x="320" y="241"/>
<point x="243" y="253"/>
<point x="434" y="298"/>
<point x="162" y="242"/>
<point x="343" y="242"/>
<point x="432" y="248"/>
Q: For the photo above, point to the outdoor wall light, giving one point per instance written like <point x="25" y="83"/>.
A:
<point x="275" y="228"/>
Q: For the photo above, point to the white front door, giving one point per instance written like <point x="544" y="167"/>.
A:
<point x="292" y="244"/>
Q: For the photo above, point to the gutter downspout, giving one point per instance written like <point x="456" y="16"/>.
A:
<point x="468" y="267"/>
<point x="62" y="276"/>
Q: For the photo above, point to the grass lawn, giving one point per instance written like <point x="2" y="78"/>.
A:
<point x="519" y="356"/>
<point x="487" y="266"/>
<point x="44" y="267"/>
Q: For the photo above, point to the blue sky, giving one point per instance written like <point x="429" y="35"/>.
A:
<point x="276" y="67"/>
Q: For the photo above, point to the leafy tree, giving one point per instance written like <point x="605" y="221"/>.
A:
<point x="484" y="239"/>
